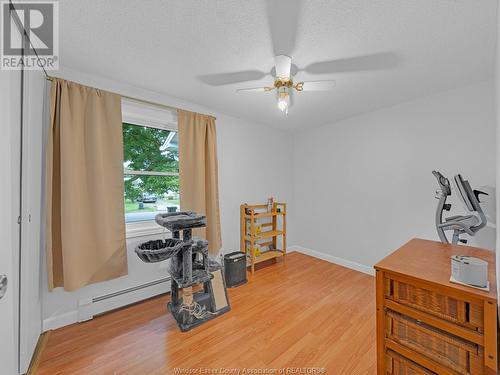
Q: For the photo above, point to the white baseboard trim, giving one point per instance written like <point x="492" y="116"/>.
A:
<point x="333" y="259"/>
<point x="61" y="320"/>
<point x="96" y="305"/>
<point x="87" y="308"/>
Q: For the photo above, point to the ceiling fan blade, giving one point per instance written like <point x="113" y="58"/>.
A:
<point x="221" y="79"/>
<point x="283" y="64"/>
<point x="315" y="86"/>
<point x="283" y="16"/>
<point x="377" y="61"/>
<point x="255" y="89"/>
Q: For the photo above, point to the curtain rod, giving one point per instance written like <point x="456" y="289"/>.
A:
<point x="50" y="78"/>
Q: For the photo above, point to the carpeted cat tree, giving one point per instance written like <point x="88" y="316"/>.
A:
<point x="190" y="265"/>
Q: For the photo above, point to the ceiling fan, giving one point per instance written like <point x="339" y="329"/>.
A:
<point x="284" y="84"/>
<point x="283" y="20"/>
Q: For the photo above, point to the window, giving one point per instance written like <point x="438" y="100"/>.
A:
<point x="151" y="171"/>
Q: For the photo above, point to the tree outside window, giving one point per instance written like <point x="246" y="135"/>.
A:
<point x="151" y="171"/>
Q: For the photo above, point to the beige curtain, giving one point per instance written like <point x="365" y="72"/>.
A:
<point x="85" y="213"/>
<point x="198" y="170"/>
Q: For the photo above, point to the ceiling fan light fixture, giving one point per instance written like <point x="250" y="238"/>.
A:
<point x="283" y="100"/>
<point x="285" y="86"/>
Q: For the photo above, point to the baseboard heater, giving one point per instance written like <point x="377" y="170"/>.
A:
<point x="90" y="307"/>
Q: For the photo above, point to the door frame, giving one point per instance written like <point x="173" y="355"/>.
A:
<point x="10" y="108"/>
<point x="30" y="263"/>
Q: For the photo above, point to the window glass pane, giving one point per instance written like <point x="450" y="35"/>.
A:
<point x="145" y="196"/>
<point x="150" y="149"/>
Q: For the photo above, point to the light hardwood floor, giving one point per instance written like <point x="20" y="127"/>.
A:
<point x="302" y="313"/>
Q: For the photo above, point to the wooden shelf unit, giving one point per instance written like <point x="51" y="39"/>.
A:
<point x="251" y="236"/>
<point x="266" y="234"/>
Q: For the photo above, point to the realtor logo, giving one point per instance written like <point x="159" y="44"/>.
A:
<point x="40" y="21"/>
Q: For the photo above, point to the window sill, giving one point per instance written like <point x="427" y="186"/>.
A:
<point x="143" y="228"/>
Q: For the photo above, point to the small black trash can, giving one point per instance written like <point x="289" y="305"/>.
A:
<point x="235" y="269"/>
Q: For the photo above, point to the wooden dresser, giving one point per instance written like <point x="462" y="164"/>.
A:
<point x="427" y="325"/>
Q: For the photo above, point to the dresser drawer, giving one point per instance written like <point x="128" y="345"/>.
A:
<point x="464" y="313"/>
<point x="449" y="351"/>
<point x="396" y="364"/>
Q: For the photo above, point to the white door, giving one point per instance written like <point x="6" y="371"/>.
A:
<point x="10" y="121"/>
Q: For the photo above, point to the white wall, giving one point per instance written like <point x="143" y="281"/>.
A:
<point x="363" y="186"/>
<point x="254" y="163"/>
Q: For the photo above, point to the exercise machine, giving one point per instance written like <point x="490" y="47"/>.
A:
<point x="460" y="224"/>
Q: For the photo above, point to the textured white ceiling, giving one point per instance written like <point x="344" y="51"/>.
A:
<point x="167" y="46"/>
